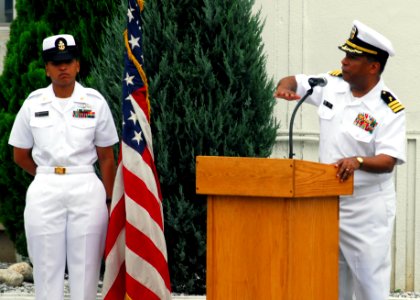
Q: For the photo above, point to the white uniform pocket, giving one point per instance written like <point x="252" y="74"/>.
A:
<point x="42" y="130"/>
<point x="325" y="112"/>
<point x="359" y="134"/>
<point x="82" y="131"/>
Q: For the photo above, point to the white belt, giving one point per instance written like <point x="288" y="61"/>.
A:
<point x="65" y="170"/>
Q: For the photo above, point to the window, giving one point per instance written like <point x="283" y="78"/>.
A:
<point x="6" y="11"/>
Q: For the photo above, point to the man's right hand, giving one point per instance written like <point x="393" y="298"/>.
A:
<point x="286" y="89"/>
<point x="285" y="94"/>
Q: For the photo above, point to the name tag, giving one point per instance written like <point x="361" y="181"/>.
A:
<point x="41" y="114"/>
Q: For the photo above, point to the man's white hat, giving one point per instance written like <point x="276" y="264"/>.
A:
<point x="364" y="40"/>
<point x="59" y="48"/>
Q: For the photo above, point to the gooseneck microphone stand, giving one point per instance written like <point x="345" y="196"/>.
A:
<point x="292" y="119"/>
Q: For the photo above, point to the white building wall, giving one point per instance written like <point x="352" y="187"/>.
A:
<point x="301" y="36"/>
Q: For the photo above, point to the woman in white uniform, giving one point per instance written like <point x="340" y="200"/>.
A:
<point x="58" y="135"/>
<point x="362" y="132"/>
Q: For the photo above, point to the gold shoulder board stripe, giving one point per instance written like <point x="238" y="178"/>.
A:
<point x="392" y="102"/>
<point x="336" y="73"/>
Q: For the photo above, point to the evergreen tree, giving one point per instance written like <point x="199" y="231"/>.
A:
<point x="107" y="73"/>
<point x="24" y="72"/>
<point x="210" y="96"/>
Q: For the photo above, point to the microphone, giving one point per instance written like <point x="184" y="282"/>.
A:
<point x="314" y="81"/>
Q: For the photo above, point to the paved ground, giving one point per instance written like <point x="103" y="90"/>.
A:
<point x="17" y="296"/>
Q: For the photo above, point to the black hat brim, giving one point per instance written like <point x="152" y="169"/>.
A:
<point x="57" y="56"/>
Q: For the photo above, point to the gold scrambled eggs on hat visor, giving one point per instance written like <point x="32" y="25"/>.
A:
<point x="353" y="48"/>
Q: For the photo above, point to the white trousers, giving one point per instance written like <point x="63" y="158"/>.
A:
<point x="366" y="225"/>
<point x="65" y="221"/>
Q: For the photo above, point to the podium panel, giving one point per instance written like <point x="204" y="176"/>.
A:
<point x="267" y="242"/>
<point x="272" y="248"/>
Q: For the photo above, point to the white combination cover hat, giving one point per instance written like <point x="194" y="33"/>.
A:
<point x="364" y="40"/>
<point x="59" y="48"/>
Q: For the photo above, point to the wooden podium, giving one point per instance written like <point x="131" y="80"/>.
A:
<point x="272" y="228"/>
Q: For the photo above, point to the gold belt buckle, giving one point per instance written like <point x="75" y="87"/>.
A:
<point x="60" y="170"/>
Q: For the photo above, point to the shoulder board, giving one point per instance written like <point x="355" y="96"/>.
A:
<point x="392" y="102"/>
<point x="336" y="73"/>
<point x="35" y="93"/>
<point x="93" y="93"/>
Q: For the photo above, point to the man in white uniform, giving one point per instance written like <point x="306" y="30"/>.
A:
<point x="58" y="134"/>
<point x="362" y="132"/>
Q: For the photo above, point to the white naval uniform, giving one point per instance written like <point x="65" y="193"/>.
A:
<point x="65" y="215"/>
<point x="351" y="127"/>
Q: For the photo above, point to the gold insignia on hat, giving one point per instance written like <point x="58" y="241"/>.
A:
<point x="353" y="32"/>
<point x="61" y="46"/>
<point x="392" y="102"/>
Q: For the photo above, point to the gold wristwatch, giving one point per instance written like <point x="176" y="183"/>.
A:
<point x="360" y="160"/>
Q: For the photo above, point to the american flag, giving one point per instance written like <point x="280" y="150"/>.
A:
<point x="135" y="253"/>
